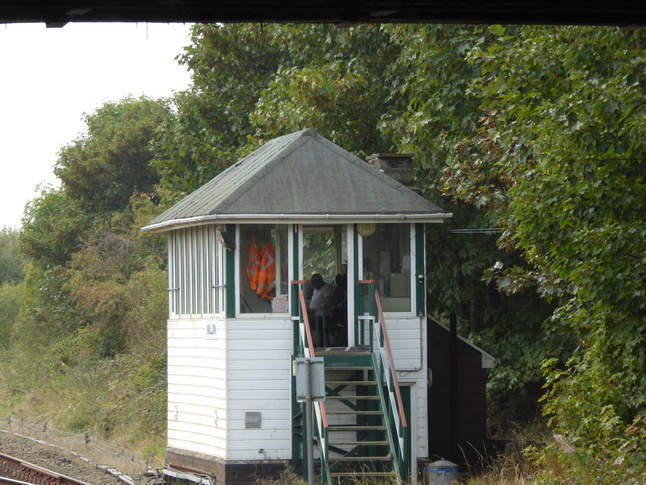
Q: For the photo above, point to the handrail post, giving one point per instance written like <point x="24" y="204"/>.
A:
<point x="297" y="315"/>
<point x="360" y="331"/>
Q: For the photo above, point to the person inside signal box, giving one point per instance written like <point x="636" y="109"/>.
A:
<point x="322" y="293"/>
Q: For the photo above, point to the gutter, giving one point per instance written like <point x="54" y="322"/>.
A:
<point x="300" y="218"/>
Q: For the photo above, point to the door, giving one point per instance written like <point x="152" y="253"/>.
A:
<point x="324" y="251"/>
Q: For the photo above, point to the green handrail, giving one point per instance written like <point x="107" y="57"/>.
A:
<point x="385" y="367"/>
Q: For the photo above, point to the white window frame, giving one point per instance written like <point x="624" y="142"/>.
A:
<point x="411" y="252"/>
<point x="240" y="276"/>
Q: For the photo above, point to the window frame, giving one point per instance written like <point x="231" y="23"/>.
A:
<point x="195" y="272"/>
<point x="412" y="267"/>
<point x="241" y="263"/>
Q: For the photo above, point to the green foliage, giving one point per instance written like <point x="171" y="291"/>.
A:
<point x="561" y="148"/>
<point x="318" y="254"/>
<point x="103" y="168"/>
<point x="52" y="228"/>
<point x="12" y="262"/>
<point x="432" y="75"/>
<point x="10" y="300"/>
<point x="341" y="91"/>
<point x="105" y="361"/>
<point x="46" y="313"/>
<point x="430" y="81"/>
<point x="253" y="82"/>
<point x="610" y="462"/>
<point x="231" y="64"/>
<point x="94" y="293"/>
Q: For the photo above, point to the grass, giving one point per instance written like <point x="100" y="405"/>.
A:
<point x="113" y="412"/>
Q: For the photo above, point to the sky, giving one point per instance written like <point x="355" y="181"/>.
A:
<point x="50" y="78"/>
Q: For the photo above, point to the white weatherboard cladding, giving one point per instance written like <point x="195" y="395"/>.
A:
<point x="212" y="383"/>
<point x="196" y="387"/>
<point x="259" y="380"/>
<point x="407" y="335"/>
<point x="408" y="344"/>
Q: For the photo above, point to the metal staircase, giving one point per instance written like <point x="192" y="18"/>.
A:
<point x="360" y="430"/>
<point x="358" y="438"/>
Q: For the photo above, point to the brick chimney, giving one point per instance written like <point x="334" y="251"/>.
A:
<point x="398" y="166"/>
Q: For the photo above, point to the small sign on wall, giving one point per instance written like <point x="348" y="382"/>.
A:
<point x="280" y="305"/>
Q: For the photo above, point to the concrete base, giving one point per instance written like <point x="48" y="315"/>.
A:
<point x="222" y="471"/>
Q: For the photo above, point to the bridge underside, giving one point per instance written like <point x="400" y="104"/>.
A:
<point x="56" y="13"/>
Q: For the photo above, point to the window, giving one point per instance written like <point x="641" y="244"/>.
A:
<point x="195" y="273"/>
<point x="264" y="263"/>
<point x="387" y="260"/>
<point x="325" y="251"/>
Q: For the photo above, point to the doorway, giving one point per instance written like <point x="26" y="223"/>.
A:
<point x="325" y="251"/>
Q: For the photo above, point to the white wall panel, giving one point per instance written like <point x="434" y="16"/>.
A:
<point x="259" y="372"/>
<point x="197" y="411"/>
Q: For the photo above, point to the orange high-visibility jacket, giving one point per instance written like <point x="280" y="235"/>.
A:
<point x="267" y="274"/>
<point x="253" y="266"/>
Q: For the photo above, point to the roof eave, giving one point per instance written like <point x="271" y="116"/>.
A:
<point x="174" y="224"/>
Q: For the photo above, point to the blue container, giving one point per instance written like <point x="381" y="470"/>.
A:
<point x="442" y="472"/>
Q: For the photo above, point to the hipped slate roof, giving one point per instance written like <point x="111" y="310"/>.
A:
<point x="302" y="178"/>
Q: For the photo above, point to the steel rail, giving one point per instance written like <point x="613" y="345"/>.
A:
<point x="11" y="481"/>
<point x="24" y="472"/>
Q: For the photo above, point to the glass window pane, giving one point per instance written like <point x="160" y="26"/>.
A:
<point x="324" y="251"/>
<point x="387" y="260"/>
<point x="263" y="268"/>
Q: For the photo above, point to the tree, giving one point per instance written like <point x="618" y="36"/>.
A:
<point x="560" y="156"/>
<point x="104" y="167"/>
<point x="432" y="75"/>
<point x="12" y="261"/>
<point x="231" y="65"/>
<point x="100" y="172"/>
<point x="10" y="301"/>
<point x="342" y="91"/>
<point x="118" y="280"/>
<point x="253" y="82"/>
<point x="52" y="228"/>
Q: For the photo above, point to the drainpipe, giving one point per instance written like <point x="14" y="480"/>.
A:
<point x="453" y="387"/>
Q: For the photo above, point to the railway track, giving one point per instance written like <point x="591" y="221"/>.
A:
<point x="17" y="472"/>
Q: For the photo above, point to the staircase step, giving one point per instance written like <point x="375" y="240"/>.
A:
<point x="353" y="398"/>
<point x="360" y="474"/>
<point x="360" y="443"/>
<point x="360" y="458"/>
<point x="345" y="366"/>
<point x="350" y="412"/>
<point x="351" y="427"/>
<point x="350" y="383"/>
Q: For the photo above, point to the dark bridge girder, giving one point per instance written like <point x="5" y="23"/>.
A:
<point x="56" y="13"/>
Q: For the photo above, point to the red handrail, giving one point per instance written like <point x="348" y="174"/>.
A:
<point x="308" y="336"/>
<point x="306" y="320"/>
<point x="389" y="353"/>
